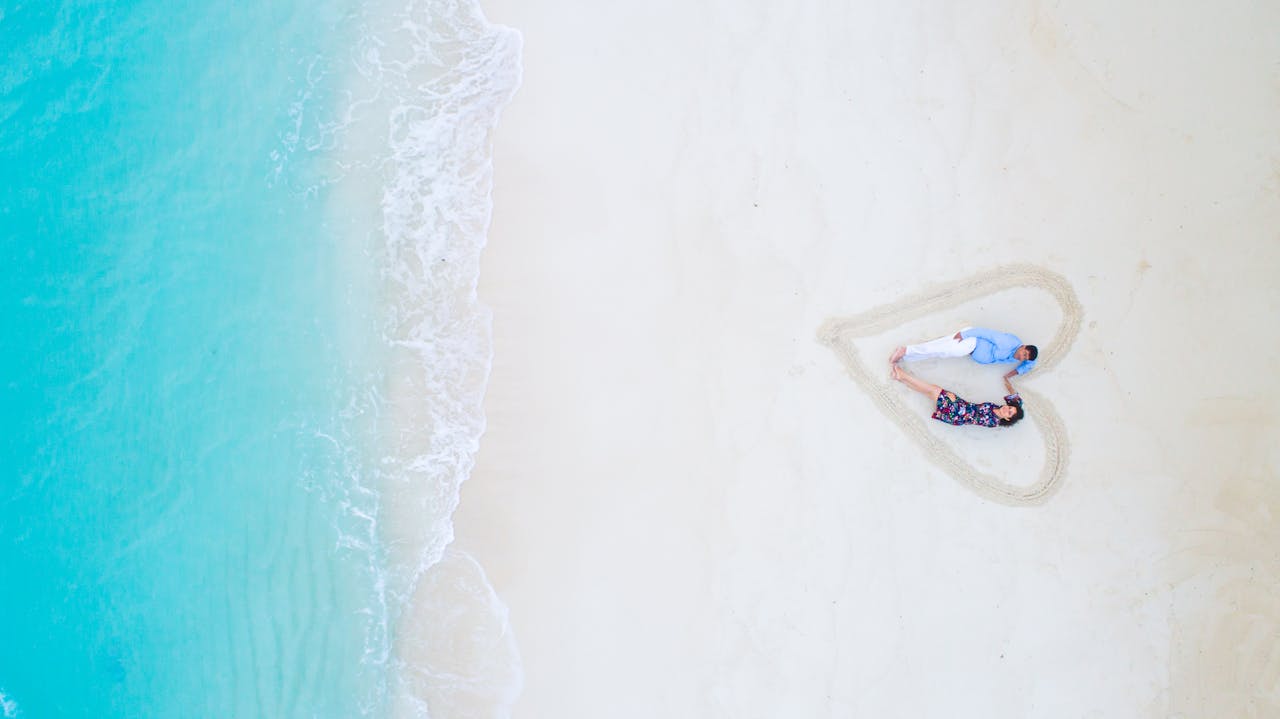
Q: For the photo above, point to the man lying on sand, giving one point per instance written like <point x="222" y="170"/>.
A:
<point x="982" y="345"/>
<point x="950" y="408"/>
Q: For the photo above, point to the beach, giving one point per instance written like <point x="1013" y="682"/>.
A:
<point x="492" y="359"/>
<point x="695" y="502"/>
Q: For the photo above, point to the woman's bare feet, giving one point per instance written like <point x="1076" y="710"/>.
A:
<point x="894" y="372"/>
<point x="898" y="354"/>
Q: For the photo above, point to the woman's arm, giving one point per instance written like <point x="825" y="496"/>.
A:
<point x="929" y="390"/>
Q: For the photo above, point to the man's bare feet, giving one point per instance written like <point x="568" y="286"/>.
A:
<point x="898" y="354"/>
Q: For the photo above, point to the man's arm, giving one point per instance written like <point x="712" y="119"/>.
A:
<point x="982" y="333"/>
<point x="1009" y="374"/>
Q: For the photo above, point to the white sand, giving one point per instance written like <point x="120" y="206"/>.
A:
<point x="1009" y="487"/>
<point x="691" y="508"/>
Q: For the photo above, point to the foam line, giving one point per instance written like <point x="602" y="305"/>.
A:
<point x="840" y="332"/>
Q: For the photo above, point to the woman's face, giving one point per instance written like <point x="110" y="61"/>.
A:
<point x="1006" y="411"/>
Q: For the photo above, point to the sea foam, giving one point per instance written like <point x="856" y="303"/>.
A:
<point x="411" y="179"/>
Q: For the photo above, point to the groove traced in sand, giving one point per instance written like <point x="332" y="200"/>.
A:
<point x="839" y="333"/>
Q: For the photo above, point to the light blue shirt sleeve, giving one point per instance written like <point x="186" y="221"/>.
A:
<point x="1026" y="366"/>
<point x="1003" y="343"/>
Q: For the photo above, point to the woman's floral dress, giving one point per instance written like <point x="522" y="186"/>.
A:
<point x="954" y="410"/>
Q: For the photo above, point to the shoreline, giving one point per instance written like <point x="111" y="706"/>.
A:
<point x="414" y="158"/>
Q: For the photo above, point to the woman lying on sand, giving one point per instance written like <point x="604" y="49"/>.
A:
<point x="953" y="410"/>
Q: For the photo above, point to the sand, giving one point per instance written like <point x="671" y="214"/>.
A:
<point x="693" y="507"/>
<point x="840" y="333"/>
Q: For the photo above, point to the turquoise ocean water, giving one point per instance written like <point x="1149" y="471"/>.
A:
<point x="241" y="355"/>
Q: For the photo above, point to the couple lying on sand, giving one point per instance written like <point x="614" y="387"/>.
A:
<point x="983" y="346"/>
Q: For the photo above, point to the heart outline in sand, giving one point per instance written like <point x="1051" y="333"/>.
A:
<point x="839" y="333"/>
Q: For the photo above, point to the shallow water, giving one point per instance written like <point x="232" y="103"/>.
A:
<point x="209" y="293"/>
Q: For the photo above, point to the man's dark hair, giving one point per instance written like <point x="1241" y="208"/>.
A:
<point x="1032" y="352"/>
<point x="1017" y="415"/>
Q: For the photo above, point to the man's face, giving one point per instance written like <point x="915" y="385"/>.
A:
<point x="1021" y="354"/>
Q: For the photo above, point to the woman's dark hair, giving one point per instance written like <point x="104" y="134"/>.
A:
<point x="1032" y="352"/>
<point x="1017" y="415"/>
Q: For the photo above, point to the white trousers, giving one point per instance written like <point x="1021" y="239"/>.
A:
<point x="942" y="347"/>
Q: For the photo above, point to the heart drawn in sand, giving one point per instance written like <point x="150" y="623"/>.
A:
<point x="839" y="333"/>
